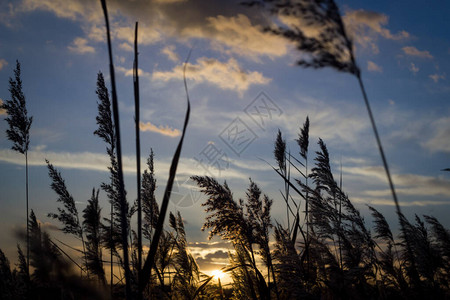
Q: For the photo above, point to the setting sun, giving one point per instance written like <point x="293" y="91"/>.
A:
<point x="218" y="274"/>
<point x="248" y="161"/>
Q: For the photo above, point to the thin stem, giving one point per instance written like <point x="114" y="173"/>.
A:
<point x="123" y="204"/>
<point x="388" y="174"/>
<point x="380" y="147"/>
<point x="28" y="225"/>
<point x="138" y="153"/>
<point x="340" y="217"/>
<point x="149" y="262"/>
<point x="111" y="252"/>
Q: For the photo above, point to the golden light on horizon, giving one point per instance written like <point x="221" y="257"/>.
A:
<point x="218" y="274"/>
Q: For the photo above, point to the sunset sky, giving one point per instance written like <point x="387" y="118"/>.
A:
<point x="238" y="77"/>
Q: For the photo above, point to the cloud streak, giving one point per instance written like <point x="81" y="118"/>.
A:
<point x="366" y="26"/>
<point x="373" y="67"/>
<point x="439" y="140"/>
<point x="91" y="161"/>
<point x="406" y="185"/>
<point x="169" y="51"/>
<point x="164" y="130"/>
<point x="80" y="46"/>
<point x="225" y="75"/>
<point x="413" y="51"/>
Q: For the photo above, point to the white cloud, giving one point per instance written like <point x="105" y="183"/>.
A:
<point x="405" y="185"/>
<point x="335" y="122"/>
<point x="436" y="77"/>
<point x="164" y="130"/>
<point x="373" y="67"/>
<point x="413" y="68"/>
<point x="169" y="51"/>
<point x="127" y="47"/>
<point x="80" y="46"/>
<point x="439" y="140"/>
<point x="73" y="10"/>
<point x="225" y="75"/>
<point x="241" y="36"/>
<point x="413" y="51"/>
<point x="89" y="161"/>
<point x="129" y="72"/>
<point x="3" y="63"/>
<point x="367" y="26"/>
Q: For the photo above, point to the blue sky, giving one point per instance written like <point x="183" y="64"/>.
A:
<point x="402" y="48"/>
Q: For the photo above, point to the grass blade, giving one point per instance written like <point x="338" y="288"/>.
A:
<point x="145" y="273"/>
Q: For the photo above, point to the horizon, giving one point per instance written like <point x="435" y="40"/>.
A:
<point x="235" y="69"/>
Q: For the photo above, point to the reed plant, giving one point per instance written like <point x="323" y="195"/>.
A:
<point x="19" y="131"/>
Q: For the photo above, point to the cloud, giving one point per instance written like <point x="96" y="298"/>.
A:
<point x="90" y="161"/>
<point x="413" y="68"/>
<point x="3" y="63"/>
<point x="238" y="34"/>
<point x="169" y="51"/>
<point x="337" y="123"/>
<point x="80" y="46"/>
<point x="2" y="111"/>
<point x="129" y="72"/>
<point x="436" y="77"/>
<point x="367" y="26"/>
<point x="164" y="130"/>
<point x="213" y="260"/>
<point x="225" y="75"/>
<point x="126" y="47"/>
<point x="228" y="26"/>
<point x="373" y="67"/>
<point x="405" y="184"/>
<point x="413" y="51"/>
<point x="440" y="136"/>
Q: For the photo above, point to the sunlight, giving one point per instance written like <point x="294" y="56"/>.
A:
<point x="218" y="274"/>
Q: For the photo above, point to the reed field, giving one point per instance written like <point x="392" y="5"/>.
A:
<point x="320" y="247"/>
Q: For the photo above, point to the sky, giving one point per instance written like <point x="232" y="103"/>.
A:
<point x="240" y="79"/>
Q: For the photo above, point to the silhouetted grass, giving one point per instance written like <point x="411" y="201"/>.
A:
<point x="337" y="258"/>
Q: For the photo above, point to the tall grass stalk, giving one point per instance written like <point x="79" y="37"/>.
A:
<point x="138" y="151"/>
<point x="123" y="212"/>
<point x="149" y="262"/>
<point x="19" y="132"/>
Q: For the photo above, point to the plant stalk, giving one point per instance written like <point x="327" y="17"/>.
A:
<point x="123" y="204"/>
<point x="138" y="153"/>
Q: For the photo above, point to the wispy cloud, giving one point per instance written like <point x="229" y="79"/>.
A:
<point x="413" y="51"/>
<point x="90" y="161"/>
<point x="225" y="75"/>
<point x="373" y="67"/>
<point x="338" y="123"/>
<point x="2" y="111"/>
<point x="126" y="47"/>
<point x="440" y="136"/>
<point x="164" y="130"/>
<point x="238" y="34"/>
<point x="129" y="72"/>
<point x="366" y="26"/>
<point x="3" y="63"/>
<point x="413" y="68"/>
<point x="80" y="46"/>
<point x="436" y="77"/>
<point x="169" y="51"/>
<point x="406" y="185"/>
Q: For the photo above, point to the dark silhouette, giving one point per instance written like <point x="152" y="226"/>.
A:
<point x="19" y="130"/>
